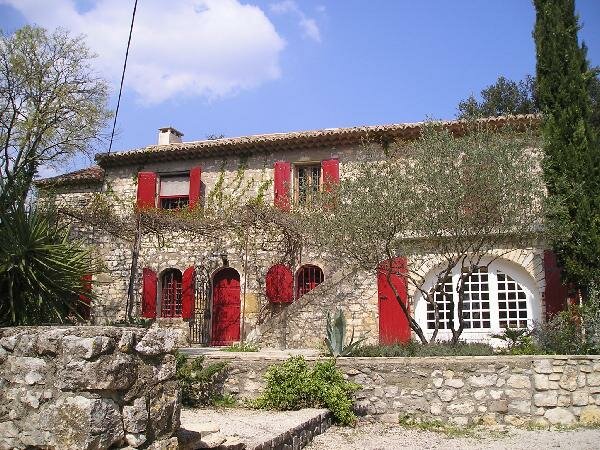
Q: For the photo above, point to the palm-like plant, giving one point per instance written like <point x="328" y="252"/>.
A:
<point x="41" y="268"/>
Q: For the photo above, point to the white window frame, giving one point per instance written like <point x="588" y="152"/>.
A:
<point x="517" y="273"/>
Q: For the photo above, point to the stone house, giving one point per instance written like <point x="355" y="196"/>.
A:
<point x="217" y="295"/>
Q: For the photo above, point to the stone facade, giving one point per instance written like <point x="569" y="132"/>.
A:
<point x="87" y="387"/>
<point x="514" y="390"/>
<point x="300" y="324"/>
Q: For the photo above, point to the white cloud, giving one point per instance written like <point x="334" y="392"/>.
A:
<point x="207" y="48"/>
<point x="308" y="25"/>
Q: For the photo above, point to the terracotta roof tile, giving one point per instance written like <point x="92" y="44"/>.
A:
<point x="286" y="141"/>
<point x="89" y="174"/>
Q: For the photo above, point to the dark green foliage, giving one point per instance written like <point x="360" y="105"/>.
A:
<point x="293" y="385"/>
<point x="200" y="385"/>
<point x="572" y="332"/>
<point x="572" y="158"/>
<point x="513" y="337"/>
<point x="41" y="269"/>
<point x="504" y="97"/>
<point x="519" y="342"/>
<point x="336" y="336"/>
<point x="433" y="349"/>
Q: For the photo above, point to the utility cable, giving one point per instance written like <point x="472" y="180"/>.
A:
<point x="112" y="135"/>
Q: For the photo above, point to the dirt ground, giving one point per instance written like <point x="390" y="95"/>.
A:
<point x="385" y="436"/>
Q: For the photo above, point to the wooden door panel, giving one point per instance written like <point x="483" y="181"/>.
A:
<point x="393" y="324"/>
<point x="226" y="307"/>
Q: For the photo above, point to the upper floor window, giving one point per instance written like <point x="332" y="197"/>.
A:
<point x="174" y="191"/>
<point x="307" y="183"/>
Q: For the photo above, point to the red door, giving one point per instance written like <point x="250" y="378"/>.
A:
<point x="393" y="324"/>
<point x="226" y="307"/>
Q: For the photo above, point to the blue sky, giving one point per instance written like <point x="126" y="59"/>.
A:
<point x="248" y="67"/>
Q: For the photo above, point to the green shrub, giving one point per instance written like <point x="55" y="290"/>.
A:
<point x="199" y="385"/>
<point x="243" y="347"/>
<point x="293" y="384"/>
<point x="432" y="349"/>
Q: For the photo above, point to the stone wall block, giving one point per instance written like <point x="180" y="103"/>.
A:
<point x="519" y="381"/>
<point x="135" y="417"/>
<point x="549" y="398"/>
<point x="541" y="382"/>
<point x="542" y="366"/>
<point x="86" y="348"/>
<point x="164" y="407"/>
<point x="157" y="341"/>
<point x="483" y="380"/>
<point x="27" y="370"/>
<point x="110" y="372"/>
<point x="463" y="408"/>
<point x="560" y="416"/>
<point x="521" y="407"/>
<point x="593" y="379"/>
<point x="568" y="380"/>
<point x="580" y="398"/>
<point x="79" y="422"/>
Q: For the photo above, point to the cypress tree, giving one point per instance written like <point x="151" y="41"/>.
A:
<point x="571" y="161"/>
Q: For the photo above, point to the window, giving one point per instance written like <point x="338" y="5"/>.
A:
<point x="307" y="183"/>
<point x="308" y="277"/>
<point x="493" y="300"/>
<point x="174" y="191"/>
<point x="170" y="298"/>
<point x="512" y="303"/>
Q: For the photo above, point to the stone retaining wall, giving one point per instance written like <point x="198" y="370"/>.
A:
<point x="87" y="387"/>
<point x="516" y="390"/>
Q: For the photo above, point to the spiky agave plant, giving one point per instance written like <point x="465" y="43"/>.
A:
<point x="41" y="268"/>
<point x="336" y="336"/>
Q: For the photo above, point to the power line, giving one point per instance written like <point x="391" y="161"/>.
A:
<point x="112" y="134"/>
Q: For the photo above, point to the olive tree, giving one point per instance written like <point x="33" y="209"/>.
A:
<point x="451" y="199"/>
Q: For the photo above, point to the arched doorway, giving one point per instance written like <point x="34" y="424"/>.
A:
<point x="225" y="307"/>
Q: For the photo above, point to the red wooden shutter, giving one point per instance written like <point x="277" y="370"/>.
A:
<point x="195" y="184"/>
<point x="187" y="292"/>
<point x="283" y="172"/>
<point x="149" y="293"/>
<point x="146" y="191"/>
<point x="280" y="284"/>
<point x="556" y="293"/>
<point x="83" y="308"/>
<point x="393" y="323"/>
<point x="331" y="172"/>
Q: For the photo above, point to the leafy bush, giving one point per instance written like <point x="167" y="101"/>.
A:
<point x="575" y="331"/>
<point x="199" y="385"/>
<point x="243" y="347"/>
<point x="336" y="336"/>
<point x="293" y="384"/>
<point x="432" y="349"/>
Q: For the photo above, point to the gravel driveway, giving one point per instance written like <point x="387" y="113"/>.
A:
<point x="385" y="436"/>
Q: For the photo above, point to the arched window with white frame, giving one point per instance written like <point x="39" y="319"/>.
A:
<point x="496" y="296"/>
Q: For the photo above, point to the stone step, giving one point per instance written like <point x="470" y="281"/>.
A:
<point x="252" y="429"/>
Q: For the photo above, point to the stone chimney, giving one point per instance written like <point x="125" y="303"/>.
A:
<point x="169" y="135"/>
